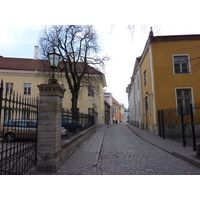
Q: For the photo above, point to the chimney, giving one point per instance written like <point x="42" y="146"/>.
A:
<point x="36" y="52"/>
<point x="151" y="32"/>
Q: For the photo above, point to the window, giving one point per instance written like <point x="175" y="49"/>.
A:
<point x="90" y="102"/>
<point x="9" y="88"/>
<point x="184" y="98"/>
<point x="90" y="91"/>
<point x="27" y="88"/>
<point x="181" y="64"/>
<point x="145" y="77"/>
<point x="90" y="111"/>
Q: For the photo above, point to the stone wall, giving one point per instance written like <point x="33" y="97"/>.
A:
<point x="52" y="152"/>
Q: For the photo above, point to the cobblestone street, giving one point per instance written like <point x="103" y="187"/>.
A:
<point x="124" y="153"/>
<point x="122" y="149"/>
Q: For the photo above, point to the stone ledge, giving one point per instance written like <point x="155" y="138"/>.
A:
<point x="51" y="90"/>
<point x="70" y="145"/>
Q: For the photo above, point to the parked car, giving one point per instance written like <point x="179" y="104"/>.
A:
<point x="22" y="129"/>
<point x="18" y="129"/>
<point x="71" y="125"/>
<point x="64" y="132"/>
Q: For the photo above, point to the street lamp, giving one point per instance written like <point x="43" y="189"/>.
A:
<point x="53" y="62"/>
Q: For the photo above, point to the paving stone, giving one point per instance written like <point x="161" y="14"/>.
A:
<point x="117" y="150"/>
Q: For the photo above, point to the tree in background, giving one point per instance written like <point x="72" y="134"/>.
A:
<point x="78" y="48"/>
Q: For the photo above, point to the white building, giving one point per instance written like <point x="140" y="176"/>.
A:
<point x="126" y="115"/>
<point x="135" y="97"/>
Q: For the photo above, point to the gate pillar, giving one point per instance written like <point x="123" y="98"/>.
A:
<point x="49" y="127"/>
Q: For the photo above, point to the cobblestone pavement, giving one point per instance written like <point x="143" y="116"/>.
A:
<point x="124" y="153"/>
<point x="117" y="150"/>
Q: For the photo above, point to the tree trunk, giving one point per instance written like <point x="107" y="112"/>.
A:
<point x="74" y="108"/>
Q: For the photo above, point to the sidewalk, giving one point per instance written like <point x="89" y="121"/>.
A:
<point x="87" y="154"/>
<point x="168" y="145"/>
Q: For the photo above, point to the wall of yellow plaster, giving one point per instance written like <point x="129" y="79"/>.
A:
<point x="147" y="89"/>
<point x="83" y="105"/>
<point x="165" y="79"/>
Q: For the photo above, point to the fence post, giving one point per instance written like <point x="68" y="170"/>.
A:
<point x="182" y="126"/>
<point x="163" y="124"/>
<point x="159" y="123"/>
<point x="192" y="126"/>
<point x="49" y="127"/>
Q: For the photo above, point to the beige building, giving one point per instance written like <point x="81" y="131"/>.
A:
<point x="24" y="75"/>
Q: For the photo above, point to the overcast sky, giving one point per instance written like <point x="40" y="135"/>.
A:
<point x="116" y="41"/>
<point x="19" y="40"/>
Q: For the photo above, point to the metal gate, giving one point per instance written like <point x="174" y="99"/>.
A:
<point x="18" y="132"/>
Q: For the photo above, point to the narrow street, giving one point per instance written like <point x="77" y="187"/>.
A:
<point x="124" y="153"/>
<point x="117" y="150"/>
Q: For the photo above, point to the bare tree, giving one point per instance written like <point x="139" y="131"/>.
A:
<point x="143" y="28"/>
<point x="78" y="48"/>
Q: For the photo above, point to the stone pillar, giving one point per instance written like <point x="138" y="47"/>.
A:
<point x="49" y="127"/>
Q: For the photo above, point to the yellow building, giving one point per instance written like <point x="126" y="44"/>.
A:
<point x="24" y="75"/>
<point x="170" y="75"/>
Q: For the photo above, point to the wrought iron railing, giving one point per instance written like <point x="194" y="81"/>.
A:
<point x="18" y="133"/>
<point x="76" y="122"/>
<point x="181" y="124"/>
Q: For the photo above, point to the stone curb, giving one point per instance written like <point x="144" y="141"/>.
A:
<point x="97" y="155"/>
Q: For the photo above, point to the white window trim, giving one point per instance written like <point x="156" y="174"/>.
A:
<point x="10" y="92"/>
<point x="27" y="87"/>
<point x="189" y="66"/>
<point x="192" y="96"/>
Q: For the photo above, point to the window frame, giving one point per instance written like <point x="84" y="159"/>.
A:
<point x="191" y="98"/>
<point x="145" y="76"/>
<point x="9" y="90"/>
<point x="26" y="89"/>
<point x="91" y="91"/>
<point x="181" y="68"/>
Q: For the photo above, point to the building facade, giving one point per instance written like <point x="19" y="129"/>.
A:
<point x="24" y="75"/>
<point x="108" y="100"/>
<point x="118" y="112"/>
<point x="169" y="76"/>
<point x="116" y="109"/>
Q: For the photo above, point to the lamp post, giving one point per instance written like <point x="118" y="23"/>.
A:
<point x="53" y="62"/>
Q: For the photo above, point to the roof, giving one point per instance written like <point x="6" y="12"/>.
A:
<point x="173" y="38"/>
<point x="114" y="101"/>
<point x="32" y="65"/>
<point x="22" y="64"/>
<point x="165" y="38"/>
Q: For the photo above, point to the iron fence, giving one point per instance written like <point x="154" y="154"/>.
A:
<point x="181" y="124"/>
<point x="18" y="133"/>
<point x="75" y="122"/>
